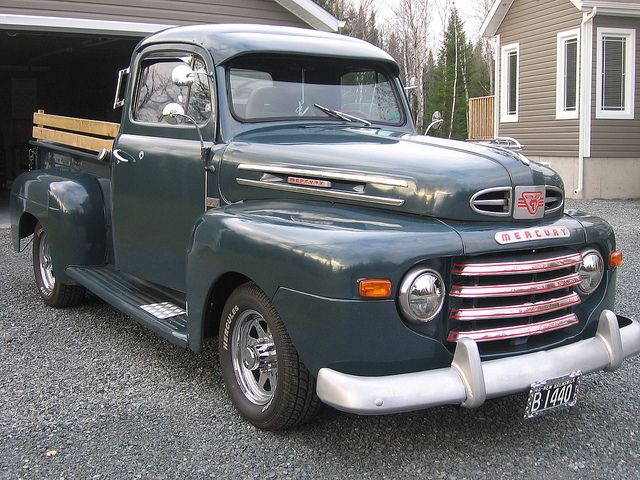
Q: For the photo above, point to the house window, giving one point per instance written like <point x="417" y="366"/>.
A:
<point x="510" y="76"/>
<point x="567" y="75"/>
<point x="616" y="68"/>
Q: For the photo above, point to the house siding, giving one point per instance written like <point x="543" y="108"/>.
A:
<point x="611" y="137"/>
<point x="534" y="24"/>
<point x="172" y="12"/>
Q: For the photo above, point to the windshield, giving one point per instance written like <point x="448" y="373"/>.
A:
<point x="282" y="87"/>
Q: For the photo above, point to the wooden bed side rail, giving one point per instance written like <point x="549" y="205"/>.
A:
<point x="92" y="135"/>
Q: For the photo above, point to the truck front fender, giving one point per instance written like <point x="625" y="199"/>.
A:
<point x="70" y="208"/>
<point x="320" y="249"/>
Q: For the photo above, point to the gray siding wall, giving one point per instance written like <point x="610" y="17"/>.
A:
<point x="535" y="25"/>
<point x="173" y="12"/>
<point x="609" y="137"/>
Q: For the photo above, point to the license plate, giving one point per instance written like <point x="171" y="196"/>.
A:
<point x="551" y="395"/>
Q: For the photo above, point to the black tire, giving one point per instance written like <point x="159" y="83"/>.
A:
<point x="53" y="292"/>
<point x="266" y="380"/>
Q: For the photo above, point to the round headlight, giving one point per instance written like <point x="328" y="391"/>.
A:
<point x="421" y="295"/>
<point x="591" y="271"/>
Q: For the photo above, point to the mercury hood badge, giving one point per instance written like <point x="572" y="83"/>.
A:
<point x="530" y="202"/>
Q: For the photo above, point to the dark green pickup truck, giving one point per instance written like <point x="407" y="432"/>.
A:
<point x="267" y="185"/>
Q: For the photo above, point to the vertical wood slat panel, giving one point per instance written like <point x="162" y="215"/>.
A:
<point x="481" y="116"/>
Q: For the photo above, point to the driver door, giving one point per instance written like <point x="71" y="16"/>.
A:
<point x="158" y="177"/>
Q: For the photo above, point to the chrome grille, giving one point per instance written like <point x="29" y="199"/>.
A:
<point x="497" y="202"/>
<point x="493" y="298"/>
<point x="554" y="200"/>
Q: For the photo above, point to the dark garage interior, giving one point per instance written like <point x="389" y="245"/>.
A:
<point x="64" y="74"/>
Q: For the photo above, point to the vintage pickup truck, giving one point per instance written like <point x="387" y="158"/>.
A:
<point x="267" y="184"/>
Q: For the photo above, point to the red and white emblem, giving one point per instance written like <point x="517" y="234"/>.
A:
<point x="530" y="202"/>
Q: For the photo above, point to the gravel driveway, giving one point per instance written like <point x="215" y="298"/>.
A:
<point x="86" y="393"/>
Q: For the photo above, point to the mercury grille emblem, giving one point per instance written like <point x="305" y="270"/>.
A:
<point x="530" y="202"/>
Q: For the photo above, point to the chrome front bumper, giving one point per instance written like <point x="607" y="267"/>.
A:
<point x="469" y="381"/>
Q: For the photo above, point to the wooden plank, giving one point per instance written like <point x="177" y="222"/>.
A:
<point x="72" y="139"/>
<point x="93" y="127"/>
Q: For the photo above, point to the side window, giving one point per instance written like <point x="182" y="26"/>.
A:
<point x="510" y="77"/>
<point x="615" y="82"/>
<point x="157" y="89"/>
<point x="567" y="75"/>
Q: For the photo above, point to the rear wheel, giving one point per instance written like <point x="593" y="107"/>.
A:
<point x="52" y="292"/>
<point x="265" y="378"/>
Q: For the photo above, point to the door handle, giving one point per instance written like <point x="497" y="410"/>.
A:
<point x="119" y="155"/>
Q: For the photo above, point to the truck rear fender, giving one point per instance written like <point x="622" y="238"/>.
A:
<point x="71" y="210"/>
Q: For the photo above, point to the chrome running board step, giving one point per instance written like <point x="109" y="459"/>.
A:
<point x="146" y="306"/>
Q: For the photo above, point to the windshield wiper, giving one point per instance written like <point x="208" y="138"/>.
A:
<point x="342" y="115"/>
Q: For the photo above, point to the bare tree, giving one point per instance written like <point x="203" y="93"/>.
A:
<point x="478" y="12"/>
<point x="411" y="28"/>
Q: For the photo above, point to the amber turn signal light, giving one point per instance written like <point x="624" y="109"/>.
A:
<point x="375" y="288"/>
<point x="615" y="259"/>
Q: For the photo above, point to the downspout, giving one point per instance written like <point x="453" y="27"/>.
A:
<point x="495" y="43"/>
<point x="586" y="63"/>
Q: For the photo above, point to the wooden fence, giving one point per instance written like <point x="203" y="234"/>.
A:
<point x="481" y="118"/>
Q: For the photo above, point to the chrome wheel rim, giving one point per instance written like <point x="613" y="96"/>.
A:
<point x="45" y="264"/>
<point x="253" y="355"/>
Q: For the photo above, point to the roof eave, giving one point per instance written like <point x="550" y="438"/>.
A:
<point x="78" y="25"/>
<point x="495" y="17"/>
<point x="618" y="9"/>
<point x="313" y="14"/>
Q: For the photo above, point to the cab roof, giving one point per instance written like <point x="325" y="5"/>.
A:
<point x="227" y="41"/>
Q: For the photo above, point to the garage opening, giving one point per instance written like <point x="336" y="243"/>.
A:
<point x="63" y="74"/>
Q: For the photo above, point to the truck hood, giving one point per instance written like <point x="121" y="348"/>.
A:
<point x="372" y="167"/>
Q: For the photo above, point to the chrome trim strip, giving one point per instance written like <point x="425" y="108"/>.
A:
<point x="347" y="177"/>
<point x="481" y="291"/>
<point x="394" y="202"/>
<point x="511" y="311"/>
<point x="515" y="331"/>
<point x="515" y="267"/>
<point x="496" y="378"/>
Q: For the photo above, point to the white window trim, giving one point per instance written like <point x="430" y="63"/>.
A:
<point x="630" y="80"/>
<point x="561" y="113"/>
<point x="505" y="116"/>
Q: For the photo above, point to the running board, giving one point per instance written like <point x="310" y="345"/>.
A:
<point x="151" y="310"/>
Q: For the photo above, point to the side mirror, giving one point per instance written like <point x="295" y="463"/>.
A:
<point x="183" y="76"/>
<point x="436" y="122"/>
<point x="171" y="112"/>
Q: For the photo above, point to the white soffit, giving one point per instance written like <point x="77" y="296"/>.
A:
<point x="624" y="8"/>
<point x="495" y="17"/>
<point x="312" y="13"/>
<point x="78" y="25"/>
<point x="500" y="8"/>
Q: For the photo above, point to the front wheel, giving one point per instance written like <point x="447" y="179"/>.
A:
<point x="265" y="378"/>
<point x="53" y="292"/>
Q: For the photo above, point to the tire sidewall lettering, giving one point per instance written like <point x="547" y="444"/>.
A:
<point x="227" y="326"/>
